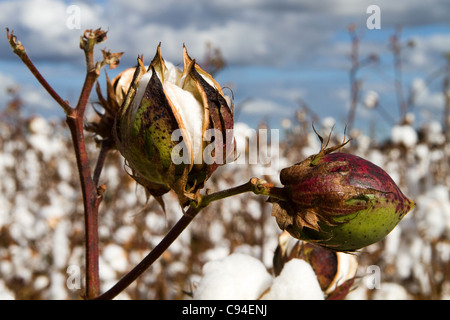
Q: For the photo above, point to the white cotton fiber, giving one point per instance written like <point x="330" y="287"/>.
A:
<point x="297" y="281"/>
<point x="404" y="135"/>
<point x="238" y="276"/>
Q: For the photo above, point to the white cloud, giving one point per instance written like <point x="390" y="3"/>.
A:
<point x="429" y="50"/>
<point x="41" y="25"/>
<point x="265" y="107"/>
<point x="426" y="99"/>
<point x="246" y="31"/>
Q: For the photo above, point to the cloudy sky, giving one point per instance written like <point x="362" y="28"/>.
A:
<point x="277" y="52"/>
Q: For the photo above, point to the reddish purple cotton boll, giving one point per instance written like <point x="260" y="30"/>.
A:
<point x="339" y="201"/>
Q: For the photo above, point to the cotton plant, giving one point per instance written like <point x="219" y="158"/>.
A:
<point x="333" y="202"/>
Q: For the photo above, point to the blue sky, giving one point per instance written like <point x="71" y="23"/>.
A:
<point x="277" y="52"/>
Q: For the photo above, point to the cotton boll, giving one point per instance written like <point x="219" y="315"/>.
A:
<point x="390" y="291"/>
<point x="5" y="293"/>
<point x="328" y="123"/>
<point x="238" y="276"/>
<point x="371" y="99"/>
<point x="404" y="135"/>
<point x="64" y="169"/>
<point x="191" y="111"/>
<point x="376" y="157"/>
<point x="216" y="253"/>
<point x="217" y="232"/>
<point x="115" y="257"/>
<point x="359" y="293"/>
<point x="297" y="281"/>
<point x="39" y="125"/>
<point x="433" y="212"/>
<point x="254" y="208"/>
<point x="443" y="251"/>
<point x="392" y="244"/>
<point x="434" y="134"/>
<point x="57" y="290"/>
<point x="61" y="245"/>
<point x="124" y="234"/>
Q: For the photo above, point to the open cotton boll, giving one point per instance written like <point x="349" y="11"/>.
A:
<point x="238" y="276"/>
<point x="405" y="135"/>
<point x="297" y="281"/>
<point x="191" y="112"/>
<point x="189" y="108"/>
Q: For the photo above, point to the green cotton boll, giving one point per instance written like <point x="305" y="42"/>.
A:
<point x="161" y="126"/>
<point x="339" y="201"/>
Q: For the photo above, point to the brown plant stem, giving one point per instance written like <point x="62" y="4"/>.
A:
<point x="74" y="119"/>
<point x="91" y="197"/>
<point x="90" y="201"/>
<point x="19" y="50"/>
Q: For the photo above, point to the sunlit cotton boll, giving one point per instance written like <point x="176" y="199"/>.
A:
<point x="297" y="281"/>
<point x="404" y="135"/>
<point x="433" y="212"/>
<point x="238" y="276"/>
<point x="371" y="99"/>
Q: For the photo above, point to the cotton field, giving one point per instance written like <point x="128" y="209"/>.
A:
<point x="227" y="252"/>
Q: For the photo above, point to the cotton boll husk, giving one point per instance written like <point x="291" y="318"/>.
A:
<point x="297" y="281"/>
<point x="238" y="276"/>
<point x="346" y="270"/>
<point x="185" y="103"/>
